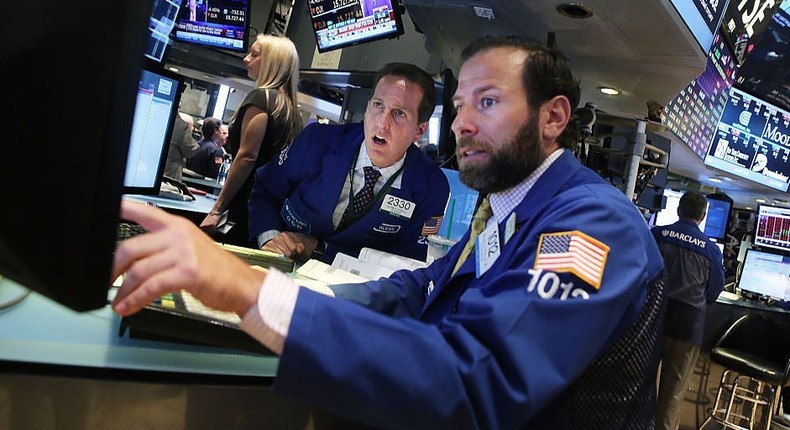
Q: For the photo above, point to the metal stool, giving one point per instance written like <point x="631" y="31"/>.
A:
<point x="755" y="351"/>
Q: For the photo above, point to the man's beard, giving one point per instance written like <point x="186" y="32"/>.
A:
<point x="509" y="165"/>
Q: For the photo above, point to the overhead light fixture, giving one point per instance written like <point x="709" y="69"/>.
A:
<point x="173" y="69"/>
<point x="760" y="200"/>
<point x="715" y="180"/>
<point x="574" y="10"/>
<point x="609" y="91"/>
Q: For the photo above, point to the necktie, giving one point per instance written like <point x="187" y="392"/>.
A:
<point x="479" y="220"/>
<point x="362" y="198"/>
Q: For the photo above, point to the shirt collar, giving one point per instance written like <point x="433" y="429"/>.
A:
<point x="363" y="159"/>
<point x="503" y="202"/>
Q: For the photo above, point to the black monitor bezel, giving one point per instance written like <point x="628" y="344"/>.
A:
<point x="154" y="67"/>
<point x="58" y="240"/>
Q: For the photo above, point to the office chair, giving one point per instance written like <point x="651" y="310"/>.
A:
<point x="755" y="353"/>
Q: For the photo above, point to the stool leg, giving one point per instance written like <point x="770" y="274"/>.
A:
<point x="717" y="404"/>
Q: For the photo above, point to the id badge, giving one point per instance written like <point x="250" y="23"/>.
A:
<point x="397" y="206"/>
<point x="487" y="249"/>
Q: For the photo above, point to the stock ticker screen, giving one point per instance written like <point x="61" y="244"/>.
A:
<point x="694" y="113"/>
<point x="752" y="141"/>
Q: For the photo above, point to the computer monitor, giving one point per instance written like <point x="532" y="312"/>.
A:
<point x="772" y="228"/>
<point x="337" y="24"/>
<point x="460" y="207"/>
<point x="717" y="219"/>
<point x="669" y="214"/>
<point x="155" y="109"/>
<point x="71" y="116"/>
<point x="765" y="275"/>
<point x="221" y="24"/>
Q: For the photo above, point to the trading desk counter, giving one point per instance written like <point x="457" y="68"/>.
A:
<point x="62" y="369"/>
<point x="728" y="308"/>
<point x="39" y="331"/>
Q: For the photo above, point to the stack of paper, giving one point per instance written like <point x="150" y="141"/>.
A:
<point x="257" y="257"/>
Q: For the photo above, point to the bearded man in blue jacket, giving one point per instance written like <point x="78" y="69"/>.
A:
<point x="549" y="318"/>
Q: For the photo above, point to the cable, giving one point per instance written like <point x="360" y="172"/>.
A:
<point x="14" y="301"/>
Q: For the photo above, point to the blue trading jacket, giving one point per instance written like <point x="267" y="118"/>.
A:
<point x="695" y="277"/>
<point x="500" y="352"/>
<point x="299" y="189"/>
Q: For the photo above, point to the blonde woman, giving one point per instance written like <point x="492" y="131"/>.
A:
<point x="266" y="122"/>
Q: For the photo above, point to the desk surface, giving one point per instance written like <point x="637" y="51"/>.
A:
<point x="201" y="204"/>
<point x="728" y="298"/>
<point x="202" y="181"/>
<point x="40" y="331"/>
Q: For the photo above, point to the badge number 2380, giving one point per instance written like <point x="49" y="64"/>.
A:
<point x="397" y="206"/>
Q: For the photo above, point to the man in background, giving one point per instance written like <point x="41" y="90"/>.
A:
<point x="695" y="277"/>
<point x="340" y="188"/>
<point x="182" y="146"/>
<point x="207" y="160"/>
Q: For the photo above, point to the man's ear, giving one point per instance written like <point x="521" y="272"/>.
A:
<point x="420" y="131"/>
<point x="557" y="113"/>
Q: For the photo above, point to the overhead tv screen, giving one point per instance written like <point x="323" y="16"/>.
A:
<point x="743" y="21"/>
<point x="216" y="23"/>
<point x="752" y="141"/>
<point x="702" y="17"/>
<point x="341" y="23"/>
<point x="766" y="70"/>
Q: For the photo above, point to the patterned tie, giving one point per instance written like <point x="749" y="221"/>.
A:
<point x="362" y="198"/>
<point x="479" y="221"/>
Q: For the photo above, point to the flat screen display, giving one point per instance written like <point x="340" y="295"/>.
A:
<point x="341" y="23"/>
<point x="669" y="214"/>
<point x="766" y="70"/>
<point x="154" y="112"/>
<point x="743" y="21"/>
<point x="160" y="25"/>
<point x="752" y="141"/>
<point x="460" y="207"/>
<point x="717" y="219"/>
<point x="702" y="18"/>
<point x="694" y="113"/>
<point x="772" y="229"/>
<point x="216" y="23"/>
<point x="766" y="274"/>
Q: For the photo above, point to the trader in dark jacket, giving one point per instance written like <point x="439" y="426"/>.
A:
<point x="695" y="277"/>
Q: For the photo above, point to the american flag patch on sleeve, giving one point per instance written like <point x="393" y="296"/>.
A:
<point x="574" y="252"/>
<point x="432" y="225"/>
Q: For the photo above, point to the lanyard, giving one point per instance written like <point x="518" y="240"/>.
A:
<point x="378" y="196"/>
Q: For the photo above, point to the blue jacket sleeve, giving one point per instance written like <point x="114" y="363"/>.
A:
<point x="274" y="182"/>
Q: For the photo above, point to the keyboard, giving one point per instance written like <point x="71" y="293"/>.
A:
<point x="129" y="229"/>
<point x="181" y="318"/>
